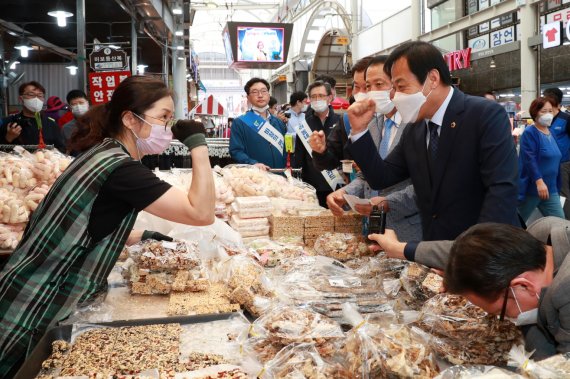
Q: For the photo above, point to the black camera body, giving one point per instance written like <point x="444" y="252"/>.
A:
<point x="377" y="220"/>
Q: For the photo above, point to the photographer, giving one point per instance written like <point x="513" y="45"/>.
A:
<point x="30" y="126"/>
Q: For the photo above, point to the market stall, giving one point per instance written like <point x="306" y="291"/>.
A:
<point x="280" y="289"/>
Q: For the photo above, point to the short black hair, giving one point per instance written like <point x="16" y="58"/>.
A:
<point x="297" y="96"/>
<point x="272" y="101"/>
<point x="319" y="83"/>
<point x="33" y="83"/>
<point x="75" y="94"/>
<point x="422" y="57"/>
<point x="327" y="79"/>
<point x="361" y="65"/>
<point x="379" y="59"/>
<point x="486" y="257"/>
<point x="554" y="91"/>
<point x="252" y="81"/>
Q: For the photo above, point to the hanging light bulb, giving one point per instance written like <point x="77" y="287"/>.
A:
<point x="13" y="65"/>
<point x="24" y="47"/>
<point x="61" y="17"/>
<point x="492" y="64"/>
<point x="72" y="69"/>
<point x="141" y="68"/>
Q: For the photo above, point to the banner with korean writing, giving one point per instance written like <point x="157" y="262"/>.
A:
<point x="103" y="84"/>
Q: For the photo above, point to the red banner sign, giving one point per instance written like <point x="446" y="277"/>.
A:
<point x="103" y="84"/>
<point x="457" y="60"/>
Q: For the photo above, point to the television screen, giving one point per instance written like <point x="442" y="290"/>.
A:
<point x="257" y="45"/>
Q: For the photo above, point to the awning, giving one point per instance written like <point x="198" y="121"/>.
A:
<point x="209" y="106"/>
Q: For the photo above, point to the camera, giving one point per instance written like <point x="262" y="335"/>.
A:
<point x="377" y="220"/>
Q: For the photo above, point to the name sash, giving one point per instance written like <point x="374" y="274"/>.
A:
<point x="333" y="177"/>
<point x="265" y="130"/>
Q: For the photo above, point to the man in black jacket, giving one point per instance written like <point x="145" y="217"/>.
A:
<point x="322" y="118"/>
<point x="30" y="126"/>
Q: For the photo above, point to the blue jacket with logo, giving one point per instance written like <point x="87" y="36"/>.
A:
<point x="248" y="147"/>
<point x="560" y="129"/>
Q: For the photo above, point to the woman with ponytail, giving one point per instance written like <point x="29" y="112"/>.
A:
<point x="76" y="234"/>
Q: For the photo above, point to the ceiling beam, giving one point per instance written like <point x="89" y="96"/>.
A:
<point x="234" y="7"/>
<point x="9" y="26"/>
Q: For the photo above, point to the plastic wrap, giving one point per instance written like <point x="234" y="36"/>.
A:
<point x="252" y="207"/>
<point x="465" y="334"/>
<point x="386" y="350"/>
<point x="557" y="366"/>
<point x="477" y="372"/>
<point x="303" y="361"/>
<point x="341" y="246"/>
<point x="285" y="325"/>
<point x="271" y="253"/>
<point x="161" y="255"/>
<point x="420" y="282"/>
<point x="250" y="181"/>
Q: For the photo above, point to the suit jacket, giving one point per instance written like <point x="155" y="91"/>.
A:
<point x="551" y="334"/>
<point x="303" y="159"/>
<point x="403" y="216"/>
<point x="475" y="174"/>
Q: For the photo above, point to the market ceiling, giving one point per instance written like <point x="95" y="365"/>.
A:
<point x="106" y="21"/>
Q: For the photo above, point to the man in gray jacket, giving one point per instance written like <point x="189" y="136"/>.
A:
<point x="507" y="271"/>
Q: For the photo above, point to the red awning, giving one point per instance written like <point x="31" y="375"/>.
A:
<point x="209" y="106"/>
<point x="340" y="103"/>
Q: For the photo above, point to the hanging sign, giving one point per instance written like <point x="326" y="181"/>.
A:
<point x="103" y="84"/>
<point x="457" y="60"/>
<point x="108" y="58"/>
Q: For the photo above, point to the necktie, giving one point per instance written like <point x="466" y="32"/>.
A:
<point x="433" y="140"/>
<point x="385" y="142"/>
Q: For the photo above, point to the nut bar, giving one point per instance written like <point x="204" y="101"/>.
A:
<point x="341" y="246"/>
<point x="160" y="255"/>
<point x="214" y="300"/>
<point x="324" y="219"/>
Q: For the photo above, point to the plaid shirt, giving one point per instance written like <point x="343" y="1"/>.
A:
<point x="57" y="263"/>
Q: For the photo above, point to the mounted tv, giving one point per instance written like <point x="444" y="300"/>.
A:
<point x="256" y="44"/>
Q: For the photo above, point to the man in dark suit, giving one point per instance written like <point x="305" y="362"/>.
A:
<point x="459" y="152"/>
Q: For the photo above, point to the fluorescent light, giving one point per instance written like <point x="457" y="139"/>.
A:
<point x="180" y="58"/>
<point x="114" y="47"/>
<point x="177" y="10"/>
<point x="141" y="68"/>
<point x="72" y="69"/>
<point x="179" y="47"/>
<point x="61" y="17"/>
<point x="179" y="33"/>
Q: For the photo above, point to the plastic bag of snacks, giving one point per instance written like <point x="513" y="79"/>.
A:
<point x="465" y="334"/>
<point x="557" y="366"/>
<point x="420" y="282"/>
<point x="386" y="350"/>
<point x="477" y="372"/>
<point x="284" y="325"/>
<point x="341" y="246"/>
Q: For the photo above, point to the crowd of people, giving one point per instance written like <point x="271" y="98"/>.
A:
<point x="443" y="165"/>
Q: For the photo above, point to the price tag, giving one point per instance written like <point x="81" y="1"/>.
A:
<point x="169" y="245"/>
<point x="290" y="143"/>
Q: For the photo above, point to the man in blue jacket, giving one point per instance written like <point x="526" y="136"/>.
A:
<point x="258" y="138"/>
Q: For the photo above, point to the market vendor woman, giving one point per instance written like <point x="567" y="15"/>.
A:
<point x="76" y="234"/>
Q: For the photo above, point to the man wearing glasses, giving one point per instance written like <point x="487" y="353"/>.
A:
<point x="520" y="275"/>
<point x="30" y="126"/>
<point x="257" y="136"/>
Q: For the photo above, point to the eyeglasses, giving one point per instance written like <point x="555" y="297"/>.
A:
<point x="255" y="92"/>
<point x="169" y="123"/>
<point x="504" y="308"/>
<point x="30" y="95"/>
<point x="318" y="97"/>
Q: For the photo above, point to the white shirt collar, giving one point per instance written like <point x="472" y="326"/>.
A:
<point x="437" y="118"/>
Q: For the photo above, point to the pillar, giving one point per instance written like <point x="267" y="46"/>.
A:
<point x="81" y="52"/>
<point x="529" y="74"/>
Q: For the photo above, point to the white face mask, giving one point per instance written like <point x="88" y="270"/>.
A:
<point x="260" y="109"/>
<point x="319" y="106"/>
<point x="546" y="119"/>
<point x="34" y="104"/>
<point x="79" y="109"/>
<point x="360" y="96"/>
<point x="409" y="105"/>
<point x="527" y="317"/>
<point x="305" y="107"/>
<point x="382" y="99"/>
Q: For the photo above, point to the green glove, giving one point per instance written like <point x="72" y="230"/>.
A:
<point x="150" y="235"/>
<point x="191" y="133"/>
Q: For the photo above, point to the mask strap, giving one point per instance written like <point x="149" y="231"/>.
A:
<point x="516" y="301"/>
